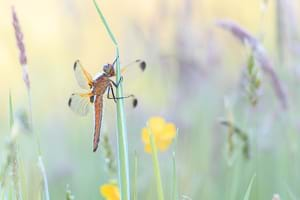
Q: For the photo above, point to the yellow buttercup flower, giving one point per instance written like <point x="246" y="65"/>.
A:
<point x="110" y="191"/>
<point x="163" y="134"/>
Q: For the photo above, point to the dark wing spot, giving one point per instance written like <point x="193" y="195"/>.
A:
<point x="92" y="98"/>
<point x="69" y="102"/>
<point x="75" y="64"/>
<point x="134" y="102"/>
<point x="143" y="65"/>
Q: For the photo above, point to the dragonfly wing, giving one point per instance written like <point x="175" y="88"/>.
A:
<point x="98" y="104"/>
<point x="137" y="64"/>
<point x="83" y="78"/>
<point x="132" y="72"/>
<point x="80" y="103"/>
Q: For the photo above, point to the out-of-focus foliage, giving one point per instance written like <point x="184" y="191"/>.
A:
<point x="192" y="66"/>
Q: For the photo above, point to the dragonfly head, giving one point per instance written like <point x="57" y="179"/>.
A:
<point x="109" y="70"/>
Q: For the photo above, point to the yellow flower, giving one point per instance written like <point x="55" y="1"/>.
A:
<point x="162" y="131"/>
<point x="110" y="191"/>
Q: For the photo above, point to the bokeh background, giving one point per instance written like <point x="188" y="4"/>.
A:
<point x="193" y="68"/>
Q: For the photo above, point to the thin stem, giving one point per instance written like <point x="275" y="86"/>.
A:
<point x="174" y="191"/>
<point x="105" y="23"/>
<point x="14" y="152"/>
<point x="37" y="135"/>
<point x="122" y="140"/>
<point x="11" y="111"/>
<point x="247" y="194"/>
<point x="45" y="181"/>
<point x="155" y="160"/>
<point x="40" y="160"/>
<point x="280" y="30"/>
<point x="135" y="176"/>
<point x="174" y="179"/>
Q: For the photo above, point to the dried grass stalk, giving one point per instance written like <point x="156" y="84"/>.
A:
<point x="260" y="55"/>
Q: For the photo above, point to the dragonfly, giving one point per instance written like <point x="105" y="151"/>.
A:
<point x="95" y="89"/>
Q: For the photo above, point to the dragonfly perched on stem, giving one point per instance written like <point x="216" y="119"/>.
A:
<point x="97" y="87"/>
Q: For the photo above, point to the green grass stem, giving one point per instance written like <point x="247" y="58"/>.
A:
<point x="174" y="183"/>
<point x="44" y="176"/>
<point x="160" y="192"/>
<point x="123" y="161"/>
<point x="135" y="176"/>
<point x="11" y="111"/>
<point x="247" y="194"/>
<point x="174" y="178"/>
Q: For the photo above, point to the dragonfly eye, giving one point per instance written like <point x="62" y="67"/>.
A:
<point x="106" y="68"/>
<point x="109" y="69"/>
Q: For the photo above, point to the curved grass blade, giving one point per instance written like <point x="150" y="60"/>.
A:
<point x="11" y="111"/>
<point x="247" y="194"/>
<point x="124" y="176"/>
<point x="105" y="23"/>
<point x="260" y="55"/>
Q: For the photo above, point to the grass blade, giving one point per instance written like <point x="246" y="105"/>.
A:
<point x="122" y="140"/>
<point x="260" y="55"/>
<point x="159" y="186"/>
<point x="45" y="180"/>
<point x="11" y="111"/>
<point x="247" y="194"/>
<point x="13" y="152"/>
<point x="174" y="191"/>
<point x="105" y="23"/>
<point x="290" y="193"/>
<point x="23" y="61"/>
<point x="174" y="179"/>
<point x="124" y="176"/>
<point x="135" y="176"/>
<point x="69" y="195"/>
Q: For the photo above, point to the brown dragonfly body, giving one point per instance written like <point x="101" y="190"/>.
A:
<point x="79" y="102"/>
<point x="99" y="87"/>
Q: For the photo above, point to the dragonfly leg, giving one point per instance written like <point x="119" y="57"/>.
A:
<point x="118" y="83"/>
<point x="113" y="95"/>
<point x="115" y="60"/>
<point x="110" y="88"/>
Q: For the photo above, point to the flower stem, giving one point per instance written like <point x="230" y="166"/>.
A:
<point x="155" y="160"/>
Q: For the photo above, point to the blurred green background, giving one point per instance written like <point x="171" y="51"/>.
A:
<point x="193" y="67"/>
